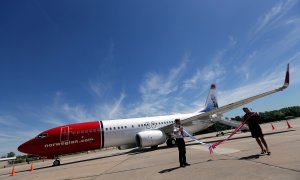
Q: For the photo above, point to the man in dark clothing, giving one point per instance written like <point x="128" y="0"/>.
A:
<point x="178" y="132"/>
<point x="252" y="119"/>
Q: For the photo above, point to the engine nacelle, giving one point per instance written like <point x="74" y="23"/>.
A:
<point x="150" y="138"/>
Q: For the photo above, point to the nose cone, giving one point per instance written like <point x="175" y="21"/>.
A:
<point x="24" y="148"/>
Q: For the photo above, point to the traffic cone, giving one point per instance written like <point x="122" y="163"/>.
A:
<point x="13" y="171"/>
<point x="31" y="167"/>
<point x="272" y="126"/>
<point x="288" y="124"/>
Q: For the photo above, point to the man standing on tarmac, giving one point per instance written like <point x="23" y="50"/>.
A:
<point x="178" y="132"/>
<point x="251" y="119"/>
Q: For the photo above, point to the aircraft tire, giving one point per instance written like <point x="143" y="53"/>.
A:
<point x="56" y="162"/>
<point x="171" y="142"/>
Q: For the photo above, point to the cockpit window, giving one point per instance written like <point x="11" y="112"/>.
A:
<point x="41" y="136"/>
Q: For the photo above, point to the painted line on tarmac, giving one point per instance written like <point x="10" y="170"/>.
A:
<point x="216" y="151"/>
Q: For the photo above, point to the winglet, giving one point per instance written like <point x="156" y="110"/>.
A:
<point x="287" y="77"/>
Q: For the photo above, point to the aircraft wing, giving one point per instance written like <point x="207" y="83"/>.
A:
<point x="232" y="123"/>
<point x="234" y="105"/>
<point x="7" y="159"/>
<point x="206" y="115"/>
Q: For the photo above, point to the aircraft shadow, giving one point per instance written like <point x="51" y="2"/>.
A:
<point x="145" y="150"/>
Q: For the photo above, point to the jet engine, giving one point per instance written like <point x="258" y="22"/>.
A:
<point x="150" y="138"/>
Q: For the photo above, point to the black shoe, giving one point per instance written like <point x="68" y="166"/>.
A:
<point x="182" y="165"/>
<point x="269" y="153"/>
<point x="263" y="152"/>
<point x="187" y="164"/>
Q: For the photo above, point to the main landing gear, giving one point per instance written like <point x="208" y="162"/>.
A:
<point x="171" y="142"/>
<point x="220" y="134"/>
<point x="56" y="162"/>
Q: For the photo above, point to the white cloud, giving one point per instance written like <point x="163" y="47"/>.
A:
<point x="274" y="15"/>
<point x="156" y="84"/>
<point x="211" y="73"/>
<point x="98" y="88"/>
<point x="76" y="113"/>
<point x="270" y="82"/>
<point x="10" y="121"/>
<point x="116" y="109"/>
<point x="11" y="141"/>
<point x="158" y="91"/>
<point x="247" y="64"/>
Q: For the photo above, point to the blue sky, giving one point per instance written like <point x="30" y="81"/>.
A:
<point x="72" y="61"/>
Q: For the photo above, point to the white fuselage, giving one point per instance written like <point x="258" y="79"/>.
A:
<point x="123" y="131"/>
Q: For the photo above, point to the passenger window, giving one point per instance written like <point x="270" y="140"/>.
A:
<point x="110" y="128"/>
<point x="94" y="130"/>
<point x="114" y="128"/>
<point x="82" y="131"/>
<point x="86" y="131"/>
<point x="132" y="126"/>
<point x="91" y="130"/>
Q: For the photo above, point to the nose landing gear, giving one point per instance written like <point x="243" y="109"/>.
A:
<point x="56" y="162"/>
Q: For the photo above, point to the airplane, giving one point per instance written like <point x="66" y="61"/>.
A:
<point x="133" y="132"/>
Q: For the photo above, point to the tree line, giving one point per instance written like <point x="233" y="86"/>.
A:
<point x="276" y="115"/>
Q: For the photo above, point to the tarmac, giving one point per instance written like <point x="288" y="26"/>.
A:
<point x="238" y="158"/>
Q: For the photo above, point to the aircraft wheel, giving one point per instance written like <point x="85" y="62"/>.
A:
<point x="171" y="142"/>
<point x="56" y="162"/>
